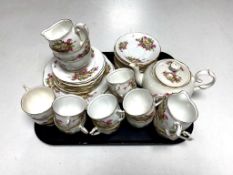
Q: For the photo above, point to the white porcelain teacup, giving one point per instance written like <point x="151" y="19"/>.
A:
<point x="70" y="114"/>
<point x="105" y="114"/>
<point x="121" y="81"/>
<point x="37" y="103"/>
<point x="139" y="107"/>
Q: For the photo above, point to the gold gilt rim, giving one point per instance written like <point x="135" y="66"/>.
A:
<point x="106" y="127"/>
<point x="142" y="119"/>
<point x="141" y="65"/>
<point x="84" y="93"/>
<point x="120" y="63"/>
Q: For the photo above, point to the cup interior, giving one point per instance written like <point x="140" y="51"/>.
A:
<point x="69" y="105"/>
<point x="102" y="106"/>
<point x="58" y="30"/>
<point x="120" y="75"/>
<point x="182" y="109"/>
<point x="37" y="100"/>
<point x="137" y="102"/>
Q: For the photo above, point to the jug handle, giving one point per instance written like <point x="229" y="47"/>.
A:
<point x="82" y="28"/>
<point x="200" y="83"/>
<point x="179" y="133"/>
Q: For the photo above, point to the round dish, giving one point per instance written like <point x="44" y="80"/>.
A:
<point x="138" y="48"/>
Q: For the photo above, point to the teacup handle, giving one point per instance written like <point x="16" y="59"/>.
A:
<point x="83" y="129"/>
<point x="122" y="114"/>
<point x="158" y="100"/>
<point x="179" y="133"/>
<point x="95" y="131"/>
<point x="79" y="29"/>
<point x="200" y="83"/>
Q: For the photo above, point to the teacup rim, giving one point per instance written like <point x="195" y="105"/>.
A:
<point x="70" y="95"/>
<point x="123" y="103"/>
<point x="32" y="89"/>
<point x="117" y="70"/>
<point x="88" y="107"/>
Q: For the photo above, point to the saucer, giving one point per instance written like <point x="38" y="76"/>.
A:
<point x="48" y="81"/>
<point x="84" y="75"/>
<point x="138" y="48"/>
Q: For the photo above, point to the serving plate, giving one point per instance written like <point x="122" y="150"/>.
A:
<point x="126" y="135"/>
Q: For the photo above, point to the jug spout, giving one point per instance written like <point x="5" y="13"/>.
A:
<point x="138" y="75"/>
<point x="58" y="30"/>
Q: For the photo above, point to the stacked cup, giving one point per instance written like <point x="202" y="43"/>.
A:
<point x="70" y="44"/>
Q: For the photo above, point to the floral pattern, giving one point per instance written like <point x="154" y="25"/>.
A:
<point x="63" y="46"/>
<point x="84" y="53"/>
<point x="146" y="43"/>
<point x="84" y="73"/>
<point x="134" y="60"/>
<point x="171" y="76"/>
<point x="122" y="45"/>
<point x="50" y="84"/>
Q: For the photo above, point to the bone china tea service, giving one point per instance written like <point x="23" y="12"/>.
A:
<point x="81" y="83"/>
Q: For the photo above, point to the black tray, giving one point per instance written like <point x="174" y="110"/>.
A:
<point x="126" y="135"/>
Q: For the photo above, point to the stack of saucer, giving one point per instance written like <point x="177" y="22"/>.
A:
<point x="81" y="81"/>
<point x="137" y="48"/>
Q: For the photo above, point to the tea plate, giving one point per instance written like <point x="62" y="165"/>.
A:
<point x="137" y="48"/>
<point x="86" y="74"/>
<point x="100" y="88"/>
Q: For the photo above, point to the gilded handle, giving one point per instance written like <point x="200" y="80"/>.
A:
<point x="94" y="131"/>
<point x="83" y="129"/>
<point x="122" y="114"/>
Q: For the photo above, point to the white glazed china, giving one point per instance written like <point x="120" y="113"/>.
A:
<point x="70" y="114"/>
<point x="84" y="75"/>
<point x="121" y="81"/>
<point x="77" y="55"/>
<point x="172" y="76"/>
<point x="37" y="104"/>
<point x="139" y="107"/>
<point x="101" y="88"/>
<point x="138" y="48"/>
<point x="175" y="114"/>
<point x="65" y="37"/>
<point x="105" y="114"/>
<point x="78" y="62"/>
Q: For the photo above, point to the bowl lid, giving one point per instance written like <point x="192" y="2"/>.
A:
<point x="137" y="48"/>
<point x="172" y="73"/>
<point x="83" y="75"/>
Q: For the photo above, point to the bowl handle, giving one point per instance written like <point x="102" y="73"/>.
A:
<point x="200" y="83"/>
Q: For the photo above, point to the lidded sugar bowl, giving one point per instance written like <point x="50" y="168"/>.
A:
<point x="169" y="76"/>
